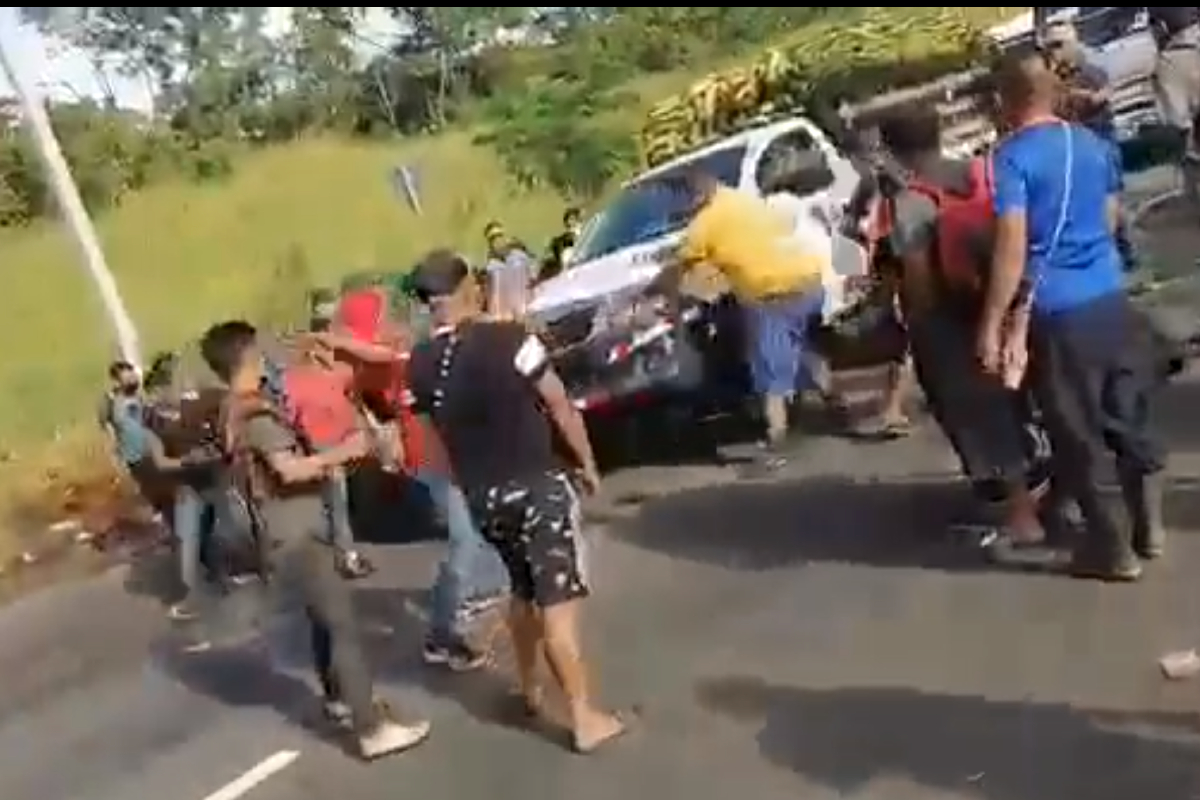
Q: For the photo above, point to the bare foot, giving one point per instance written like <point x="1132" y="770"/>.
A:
<point x="598" y="730"/>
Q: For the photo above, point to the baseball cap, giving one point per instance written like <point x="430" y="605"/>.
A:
<point x="439" y="274"/>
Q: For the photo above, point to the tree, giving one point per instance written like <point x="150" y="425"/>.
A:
<point x="449" y="34"/>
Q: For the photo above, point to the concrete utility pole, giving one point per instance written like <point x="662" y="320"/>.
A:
<point x="79" y="224"/>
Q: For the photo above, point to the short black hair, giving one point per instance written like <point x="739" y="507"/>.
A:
<point x="162" y="370"/>
<point x="570" y="214"/>
<point x="224" y="346"/>
<point x="1018" y="78"/>
<point x="912" y="130"/>
<point x="117" y="368"/>
<point x="439" y="274"/>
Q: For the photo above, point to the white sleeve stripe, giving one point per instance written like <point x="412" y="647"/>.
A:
<point x="531" y="356"/>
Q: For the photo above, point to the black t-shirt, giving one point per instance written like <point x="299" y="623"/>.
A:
<point x="477" y="385"/>
<point x="553" y="263"/>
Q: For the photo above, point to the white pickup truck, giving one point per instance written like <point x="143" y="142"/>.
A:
<point x="614" y="349"/>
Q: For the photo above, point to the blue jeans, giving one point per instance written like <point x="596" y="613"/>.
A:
<point x="777" y="332"/>
<point x="193" y="518"/>
<point x="336" y="496"/>
<point x="471" y="568"/>
<point x="337" y="509"/>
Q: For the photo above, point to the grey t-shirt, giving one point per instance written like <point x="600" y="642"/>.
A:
<point x="915" y="223"/>
<point x="293" y="511"/>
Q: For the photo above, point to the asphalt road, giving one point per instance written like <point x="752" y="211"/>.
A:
<point x="815" y="637"/>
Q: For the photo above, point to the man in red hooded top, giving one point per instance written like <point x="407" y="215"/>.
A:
<point x="471" y="575"/>
<point x="378" y="349"/>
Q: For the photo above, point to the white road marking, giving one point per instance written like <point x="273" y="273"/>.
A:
<point x="255" y="775"/>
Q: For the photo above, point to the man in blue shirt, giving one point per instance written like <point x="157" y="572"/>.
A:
<point x="1056" y="273"/>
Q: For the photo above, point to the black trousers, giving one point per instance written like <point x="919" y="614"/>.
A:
<point x="982" y="419"/>
<point x="1093" y="372"/>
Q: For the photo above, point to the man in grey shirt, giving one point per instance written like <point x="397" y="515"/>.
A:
<point x="283" y="479"/>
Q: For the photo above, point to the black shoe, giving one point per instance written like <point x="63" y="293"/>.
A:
<point x="458" y="656"/>
<point x="1106" y="553"/>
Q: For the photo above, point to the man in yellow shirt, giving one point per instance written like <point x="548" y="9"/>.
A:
<point x="777" y="281"/>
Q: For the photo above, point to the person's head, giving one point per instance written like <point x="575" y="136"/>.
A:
<point x="1026" y="87"/>
<point x="700" y="186"/>
<point x="912" y="133"/>
<point x="443" y="281"/>
<point x="1061" y="45"/>
<point x="231" y="351"/>
<point x="161" y="372"/>
<point x="572" y="218"/>
<point x="497" y="238"/>
<point x="124" y="377"/>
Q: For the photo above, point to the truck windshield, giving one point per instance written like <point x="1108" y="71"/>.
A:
<point x="654" y="206"/>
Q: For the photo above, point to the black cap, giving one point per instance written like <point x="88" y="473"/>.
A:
<point x="439" y="274"/>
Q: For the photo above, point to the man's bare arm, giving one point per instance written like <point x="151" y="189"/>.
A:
<point x="370" y="352"/>
<point x="1008" y="268"/>
<point x="567" y="418"/>
<point x="292" y="467"/>
<point x="158" y="454"/>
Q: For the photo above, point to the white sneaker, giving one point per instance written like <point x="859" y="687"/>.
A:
<point x="390" y="737"/>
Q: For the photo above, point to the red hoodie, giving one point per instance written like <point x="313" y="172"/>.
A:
<point x="362" y="315"/>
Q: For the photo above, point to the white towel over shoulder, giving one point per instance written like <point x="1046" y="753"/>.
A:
<point x="814" y="222"/>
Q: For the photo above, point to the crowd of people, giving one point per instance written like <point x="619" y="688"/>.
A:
<point x="1006" y="272"/>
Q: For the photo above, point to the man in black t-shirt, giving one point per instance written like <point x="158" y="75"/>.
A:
<point x="559" y="250"/>
<point x="491" y="402"/>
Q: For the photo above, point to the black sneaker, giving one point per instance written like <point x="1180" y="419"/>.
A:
<point x="458" y="656"/>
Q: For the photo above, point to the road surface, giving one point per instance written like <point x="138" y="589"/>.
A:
<point x="814" y="637"/>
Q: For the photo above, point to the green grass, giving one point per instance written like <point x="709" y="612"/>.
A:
<point x="183" y="255"/>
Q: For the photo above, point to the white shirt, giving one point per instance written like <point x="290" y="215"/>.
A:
<point x="814" y="222"/>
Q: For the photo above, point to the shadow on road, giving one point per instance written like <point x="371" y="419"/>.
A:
<point x="273" y="669"/>
<point x="830" y="519"/>
<point x="844" y="739"/>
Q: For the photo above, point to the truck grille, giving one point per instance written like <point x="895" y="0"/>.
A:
<point x="570" y="329"/>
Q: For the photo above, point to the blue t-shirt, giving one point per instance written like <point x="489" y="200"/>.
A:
<point x="127" y="417"/>
<point x="1031" y="176"/>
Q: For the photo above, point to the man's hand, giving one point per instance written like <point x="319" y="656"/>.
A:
<point x="988" y="349"/>
<point x="353" y="448"/>
<point x="589" y="480"/>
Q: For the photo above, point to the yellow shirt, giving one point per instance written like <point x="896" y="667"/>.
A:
<point x="752" y="245"/>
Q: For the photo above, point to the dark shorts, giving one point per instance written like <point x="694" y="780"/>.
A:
<point x="777" y="332"/>
<point x="536" y="527"/>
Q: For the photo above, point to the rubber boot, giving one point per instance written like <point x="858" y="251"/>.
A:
<point x="1106" y="553"/>
<point x="1143" y="496"/>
